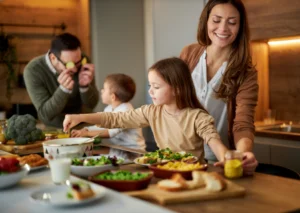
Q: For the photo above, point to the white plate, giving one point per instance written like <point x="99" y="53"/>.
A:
<point x="86" y="171"/>
<point x="11" y="179"/>
<point x="39" y="167"/>
<point x="57" y="196"/>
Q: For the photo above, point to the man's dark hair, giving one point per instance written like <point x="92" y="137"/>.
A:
<point x="65" y="41"/>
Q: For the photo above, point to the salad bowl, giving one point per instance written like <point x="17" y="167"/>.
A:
<point x="89" y="166"/>
<point x="123" y="180"/>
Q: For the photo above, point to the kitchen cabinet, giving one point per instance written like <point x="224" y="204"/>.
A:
<point x="279" y="152"/>
<point x="273" y="18"/>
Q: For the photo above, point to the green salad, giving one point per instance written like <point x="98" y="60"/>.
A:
<point x="102" y="160"/>
<point x="122" y="175"/>
<point x="163" y="155"/>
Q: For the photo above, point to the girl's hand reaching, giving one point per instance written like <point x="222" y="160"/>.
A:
<point x="80" y="133"/>
<point x="70" y="121"/>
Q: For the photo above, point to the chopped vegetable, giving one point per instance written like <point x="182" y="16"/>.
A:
<point x="122" y="175"/>
<point x="163" y="155"/>
<point x="102" y="160"/>
<point x="70" y="65"/>
<point x="22" y="129"/>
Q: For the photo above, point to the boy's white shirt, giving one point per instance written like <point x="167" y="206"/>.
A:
<point x="131" y="138"/>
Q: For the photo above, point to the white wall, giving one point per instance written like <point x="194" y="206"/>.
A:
<point x="169" y="26"/>
<point x="128" y="36"/>
<point x="118" y="42"/>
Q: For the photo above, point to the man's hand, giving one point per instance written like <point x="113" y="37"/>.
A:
<point x="86" y="75"/>
<point x="65" y="79"/>
<point x="70" y="121"/>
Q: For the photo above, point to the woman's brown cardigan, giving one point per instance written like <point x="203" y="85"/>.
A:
<point x="241" y="109"/>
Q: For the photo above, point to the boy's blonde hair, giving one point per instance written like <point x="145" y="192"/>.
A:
<point x="123" y="86"/>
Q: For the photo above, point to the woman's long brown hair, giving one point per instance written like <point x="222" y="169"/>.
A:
<point x="175" y="72"/>
<point x="240" y="61"/>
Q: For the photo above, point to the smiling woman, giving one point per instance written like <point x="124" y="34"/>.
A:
<point x="224" y="77"/>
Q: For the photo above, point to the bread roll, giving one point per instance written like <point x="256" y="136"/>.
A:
<point x="213" y="181"/>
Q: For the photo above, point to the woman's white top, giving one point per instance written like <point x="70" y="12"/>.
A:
<point x="131" y="138"/>
<point x="206" y="95"/>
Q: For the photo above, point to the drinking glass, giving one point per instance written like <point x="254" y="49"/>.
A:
<point x="60" y="170"/>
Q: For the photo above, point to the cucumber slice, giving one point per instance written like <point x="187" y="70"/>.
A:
<point x="70" y="65"/>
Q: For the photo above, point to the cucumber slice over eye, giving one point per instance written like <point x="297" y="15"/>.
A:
<point x="70" y="65"/>
<point x="84" y="61"/>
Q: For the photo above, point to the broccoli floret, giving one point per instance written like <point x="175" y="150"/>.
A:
<point x="22" y="129"/>
<point x="37" y="134"/>
<point x="20" y="140"/>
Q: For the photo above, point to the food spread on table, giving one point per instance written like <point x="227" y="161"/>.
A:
<point x="102" y="160"/>
<point x="33" y="160"/>
<point x="22" y="130"/>
<point x="9" y="165"/>
<point x="121" y="175"/>
<point x="80" y="190"/>
<point x="212" y="181"/>
<point x="180" y="166"/>
<point x="164" y="155"/>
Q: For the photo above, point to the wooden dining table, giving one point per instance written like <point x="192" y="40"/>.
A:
<point x="264" y="193"/>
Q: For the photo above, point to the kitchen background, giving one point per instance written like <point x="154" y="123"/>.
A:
<point x="130" y="35"/>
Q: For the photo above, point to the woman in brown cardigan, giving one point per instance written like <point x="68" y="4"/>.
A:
<point x="224" y="77"/>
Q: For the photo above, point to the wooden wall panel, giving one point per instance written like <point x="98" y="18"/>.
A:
<point x="273" y="18"/>
<point x="285" y="81"/>
<point x="260" y="57"/>
<point x="32" y="42"/>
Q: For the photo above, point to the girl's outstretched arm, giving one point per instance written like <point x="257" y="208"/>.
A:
<point x="137" y="118"/>
<point x="74" y="119"/>
<point x="218" y="148"/>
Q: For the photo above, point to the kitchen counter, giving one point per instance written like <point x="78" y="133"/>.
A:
<point x="278" y="130"/>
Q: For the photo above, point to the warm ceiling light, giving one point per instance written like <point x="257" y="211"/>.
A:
<point x="278" y="42"/>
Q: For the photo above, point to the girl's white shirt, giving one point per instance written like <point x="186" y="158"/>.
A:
<point x="206" y="95"/>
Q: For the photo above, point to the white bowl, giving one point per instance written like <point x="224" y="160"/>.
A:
<point x="86" y="171"/>
<point x="68" y="147"/>
<point x="8" y="180"/>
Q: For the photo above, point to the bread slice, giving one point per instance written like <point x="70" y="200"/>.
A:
<point x="169" y="185"/>
<point x="214" y="182"/>
<point x="197" y="181"/>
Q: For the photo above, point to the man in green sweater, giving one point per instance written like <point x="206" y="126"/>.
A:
<point x="61" y="81"/>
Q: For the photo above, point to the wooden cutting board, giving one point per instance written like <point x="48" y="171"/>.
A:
<point x="35" y="147"/>
<point x="166" y="197"/>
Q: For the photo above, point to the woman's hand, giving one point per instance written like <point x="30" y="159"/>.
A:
<point x="79" y="133"/>
<point x="70" y="121"/>
<point x="249" y="163"/>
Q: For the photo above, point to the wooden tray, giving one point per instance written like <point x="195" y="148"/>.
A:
<point x="36" y="147"/>
<point x="165" y="197"/>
